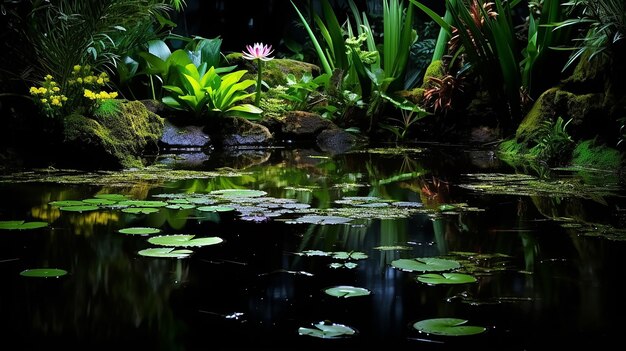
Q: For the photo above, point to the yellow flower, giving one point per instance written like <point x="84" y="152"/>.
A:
<point x="113" y="95"/>
<point x="42" y="90"/>
<point x="79" y="80"/>
<point x="63" y="98"/>
<point x="48" y="77"/>
<point x="33" y="90"/>
<point x="56" y="89"/>
<point x="100" y="81"/>
<point x="43" y="101"/>
<point x="56" y="102"/>
<point x="76" y="68"/>
<point x="89" y="94"/>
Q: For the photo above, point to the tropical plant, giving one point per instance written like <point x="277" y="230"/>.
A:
<point x="410" y="112"/>
<point x="442" y="91"/>
<point x="299" y="91"/>
<point x="203" y="90"/>
<point x="604" y="24"/>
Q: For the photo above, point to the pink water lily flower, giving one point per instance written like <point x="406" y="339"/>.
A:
<point x="258" y="51"/>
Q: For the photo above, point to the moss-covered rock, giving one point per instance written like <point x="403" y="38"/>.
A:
<point x="118" y="135"/>
<point x="415" y="95"/>
<point x="436" y="69"/>
<point x="589" y="155"/>
<point x="274" y="71"/>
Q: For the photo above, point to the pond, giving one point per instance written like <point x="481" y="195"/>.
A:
<point x="300" y="249"/>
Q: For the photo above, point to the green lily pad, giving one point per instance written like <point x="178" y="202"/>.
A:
<point x="313" y="219"/>
<point x="239" y="193"/>
<point x="43" y="273"/>
<point x="140" y="231"/>
<point x="216" y="208"/>
<point x="186" y="206"/>
<point x="348" y="265"/>
<point x="447" y="327"/>
<point x="406" y="204"/>
<point x="314" y="253"/>
<point x="165" y="252"/>
<point x="100" y="202"/>
<point x="21" y="225"/>
<point x="82" y="208"/>
<point x="446" y="278"/>
<point x="179" y="201"/>
<point x="184" y="240"/>
<point x="392" y="248"/>
<point x="327" y="330"/>
<point x="142" y="203"/>
<point x="140" y="210"/>
<point x="63" y="203"/>
<point x="353" y="255"/>
<point x="425" y="264"/>
<point x="347" y="291"/>
<point x="113" y="197"/>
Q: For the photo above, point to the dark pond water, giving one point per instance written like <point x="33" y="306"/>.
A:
<point x="549" y="266"/>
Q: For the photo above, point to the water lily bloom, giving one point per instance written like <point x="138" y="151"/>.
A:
<point x="258" y="51"/>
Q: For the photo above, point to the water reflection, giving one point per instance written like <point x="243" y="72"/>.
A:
<point x="536" y="279"/>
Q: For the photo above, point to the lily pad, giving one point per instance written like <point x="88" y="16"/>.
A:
<point x="425" y="264"/>
<point x="446" y="278"/>
<point x="314" y="253"/>
<point x="140" y="231"/>
<point x="406" y="204"/>
<point x="100" y="202"/>
<point x="313" y="219"/>
<point x="184" y="240"/>
<point x="186" y="206"/>
<point x="142" y="203"/>
<point x="239" y="193"/>
<point x="21" y="225"/>
<point x="327" y="330"/>
<point x="113" y="197"/>
<point x="63" y="203"/>
<point x="166" y="252"/>
<point x="347" y="291"/>
<point x="82" y="208"/>
<point x="447" y="327"/>
<point x="348" y="265"/>
<point x="43" y="273"/>
<point x="140" y="210"/>
<point x="353" y="255"/>
<point x="216" y="208"/>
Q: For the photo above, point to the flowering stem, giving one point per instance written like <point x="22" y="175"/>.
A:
<point x="257" y="100"/>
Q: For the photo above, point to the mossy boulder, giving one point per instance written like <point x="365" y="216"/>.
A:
<point x="118" y="135"/>
<point x="588" y="154"/>
<point x="274" y="71"/>
<point x="436" y="69"/>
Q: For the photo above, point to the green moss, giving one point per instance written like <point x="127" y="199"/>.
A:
<point x="436" y="69"/>
<point x="588" y="155"/>
<point x="541" y="110"/>
<point x="275" y="71"/>
<point x="416" y="95"/>
<point x="108" y="107"/>
<point x="511" y="148"/>
<point x="116" y="137"/>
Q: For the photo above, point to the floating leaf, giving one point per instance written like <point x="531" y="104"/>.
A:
<point x="142" y="203"/>
<point x="347" y="291"/>
<point x="425" y="264"/>
<point x="100" y="202"/>
<point x="353" y="255"/>
<point x="216" y="208"/>
<point x="83" y="208"/>
<point x="140" y="210"/>
<point x="180" y="206"/>
<point x="447" y="327"/>
<point x="43" y="273"/>
<point x="391" y="248"/>
<point x="113" y="197"/>
<point x="140" y="231"/>
<point x="406" y="204"/>
<point x="166" y="252"/>
<point x="327" y="330"/>
<point x="239" y="193"/>
<point x="63" y="203"/>
<point x="314" y="253"/>
<point x="179" y="201"/>
<point x="446" y="278"/>
<point x="313" y="219"/>
<point x="447" y="207"/>
<point x="21" y="225"/>
<point x="184" y="240"/>
<point x="349" y="265"/>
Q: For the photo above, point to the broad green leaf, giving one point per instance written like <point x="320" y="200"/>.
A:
<point x="314" y="253"/>
<point x="140" y="210"/>
<point x="347" y="291"/>
<point x="239" y="193"/>
<point x="140" y="231"/>
<point x="166" y="252"/>
<point x="313" y="219"/>
<point x="21" y="225"/>
<point x="216" y="208"/>
<point x="84" y="208"/>
<point x="446" y="278"/>
<point x="447" y="327"/>
<point x="327" y="330"/>
<point x="63" y="203"/>
<point x="43" y="273"/>
<point x="353" y="255"/>
<point x="184" y="240"/>
<point x="114" y="197"/>
<point x="100" y="202"/>
<point x="425" y="264"/>
<point x="142" y="203"/>
<point x="180" y="206"/>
